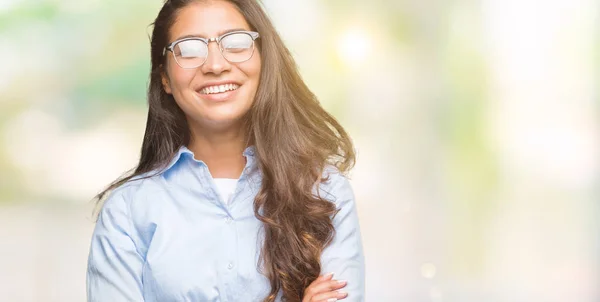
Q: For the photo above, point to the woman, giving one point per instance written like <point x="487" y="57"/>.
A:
<point x="239" y="194"/>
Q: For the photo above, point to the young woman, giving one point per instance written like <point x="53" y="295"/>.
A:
<point x="240" y="193"/>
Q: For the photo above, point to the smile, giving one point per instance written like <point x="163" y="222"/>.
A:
<point x="219" y="88"/>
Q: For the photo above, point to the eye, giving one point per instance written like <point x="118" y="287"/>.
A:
<point x="236" y="43"/>
<point x="190" y="49"/>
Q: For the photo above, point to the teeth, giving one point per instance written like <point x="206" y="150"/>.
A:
<point x="219" y="88"/>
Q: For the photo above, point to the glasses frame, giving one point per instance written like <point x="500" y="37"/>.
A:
<point x="254" y="35"/>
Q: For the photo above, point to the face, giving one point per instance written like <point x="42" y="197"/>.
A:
<point x="194" y="89"/>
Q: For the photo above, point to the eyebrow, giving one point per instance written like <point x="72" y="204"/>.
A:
<point x="220" y="33"/>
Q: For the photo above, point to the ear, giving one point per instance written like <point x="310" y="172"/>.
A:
<point x="165" y="80"/>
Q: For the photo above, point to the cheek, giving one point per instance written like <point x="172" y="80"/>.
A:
<point x="253" y="71"/>
<point x="257" y="65"/>
<point x="180" y="78"/>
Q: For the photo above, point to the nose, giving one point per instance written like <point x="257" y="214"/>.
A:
<point x="215" y="62"/>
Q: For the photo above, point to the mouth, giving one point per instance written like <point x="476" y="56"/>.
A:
<point x="218" y="89"/>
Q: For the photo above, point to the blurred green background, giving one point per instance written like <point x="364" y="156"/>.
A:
<point x="477" y="126"/>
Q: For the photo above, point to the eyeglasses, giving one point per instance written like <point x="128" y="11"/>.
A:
<point x="236" y="47"/>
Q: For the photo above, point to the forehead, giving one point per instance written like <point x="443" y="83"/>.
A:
<point x="207" y="19"/>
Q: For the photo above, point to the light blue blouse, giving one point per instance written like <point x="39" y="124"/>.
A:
<point x="170" y="238"/>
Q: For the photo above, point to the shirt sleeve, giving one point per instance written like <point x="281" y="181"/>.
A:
<point x="344" y="256"/>
<point x="114" y="270"/>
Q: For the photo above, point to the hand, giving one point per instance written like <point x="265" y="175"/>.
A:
<point x="324" y="289"/>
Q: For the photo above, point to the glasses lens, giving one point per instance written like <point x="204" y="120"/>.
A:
<point x="237" y="47"/>
<point x="190" y="53"/>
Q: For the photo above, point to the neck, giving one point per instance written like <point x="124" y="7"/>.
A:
<point x="222" y="151"/>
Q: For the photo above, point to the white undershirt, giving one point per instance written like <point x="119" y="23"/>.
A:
<point x="225" y="187"/>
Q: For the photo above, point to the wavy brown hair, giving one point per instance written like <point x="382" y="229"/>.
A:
<point x="294" y="137"/>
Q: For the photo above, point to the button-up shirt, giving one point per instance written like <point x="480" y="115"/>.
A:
<point x="170" y="237"/>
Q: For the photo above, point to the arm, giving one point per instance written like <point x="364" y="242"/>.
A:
<point x="344" y="256"/>
<point x="114" y="266"/>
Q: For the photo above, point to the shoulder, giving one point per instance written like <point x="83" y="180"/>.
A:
<point x="335" y="185"/>
<point x="332" y="176"/>
<point x="139" y="188"/>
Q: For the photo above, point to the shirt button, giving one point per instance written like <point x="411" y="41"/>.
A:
<point x="228" y="220"/>
<point x="230" y="266"/>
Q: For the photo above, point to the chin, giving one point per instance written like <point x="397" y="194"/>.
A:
<point x="218" y="115"/>
<point x="220" y="121"/>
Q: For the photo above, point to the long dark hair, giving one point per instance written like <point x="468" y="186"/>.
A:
<point x="294" y="137"/>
